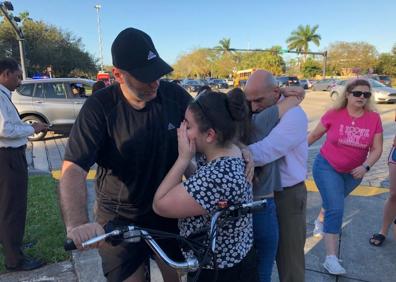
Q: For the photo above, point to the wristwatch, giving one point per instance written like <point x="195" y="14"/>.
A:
<point x="366" y="166"/>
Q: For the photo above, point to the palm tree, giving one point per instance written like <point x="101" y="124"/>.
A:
<point x="300" y="38"/>
<point x="224" y="45"/>
<point x="24" y="16"/>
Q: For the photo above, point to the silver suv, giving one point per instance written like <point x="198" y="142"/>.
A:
<point x="55" y="101"/>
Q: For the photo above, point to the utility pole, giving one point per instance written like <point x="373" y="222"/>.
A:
<point x="6" y="6"/>
<point x="98" y="7"/>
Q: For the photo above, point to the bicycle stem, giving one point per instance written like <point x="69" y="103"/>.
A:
<point x="191" y="264"/>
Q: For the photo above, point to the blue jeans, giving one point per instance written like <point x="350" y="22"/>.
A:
<point x="266" y="237"/>
<point x="333" y="187"/>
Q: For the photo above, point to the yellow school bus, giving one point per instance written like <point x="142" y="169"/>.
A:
<point x="241" y="76"/>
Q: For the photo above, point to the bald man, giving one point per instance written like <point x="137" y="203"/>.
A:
<point x="287" y="144"/>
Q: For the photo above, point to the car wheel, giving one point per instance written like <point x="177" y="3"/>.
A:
<point x="334" y="95"/>
<point x="34" y="119"/>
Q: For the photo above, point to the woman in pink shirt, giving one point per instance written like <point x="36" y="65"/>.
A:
<point x="353" y="145"/>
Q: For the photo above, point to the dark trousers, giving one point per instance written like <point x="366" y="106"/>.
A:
<point x="245" y="271"/>
<point x="13" y="202"/>
<point x="291" y="205"/>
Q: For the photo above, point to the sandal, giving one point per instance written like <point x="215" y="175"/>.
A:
<point x="377" y="239"/>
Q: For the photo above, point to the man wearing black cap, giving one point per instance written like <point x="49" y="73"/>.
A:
<point x="129" y="130"/>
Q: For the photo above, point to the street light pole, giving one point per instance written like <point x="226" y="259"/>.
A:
<point x="6" y="6"/>
<point x="98" y="7"/>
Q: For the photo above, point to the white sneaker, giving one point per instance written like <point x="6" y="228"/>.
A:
<point x="318" y="230"/>
<point x="333" y="266"/>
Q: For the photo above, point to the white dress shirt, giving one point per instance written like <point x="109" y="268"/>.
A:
<point x="13" y="131"/>
<point x="287" y="142"/>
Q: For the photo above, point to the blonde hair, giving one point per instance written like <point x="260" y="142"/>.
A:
<point x="342" y="101"/>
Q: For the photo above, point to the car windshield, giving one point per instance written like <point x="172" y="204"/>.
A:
<point x="375" y="83"/>
<point x="384" y="77"/>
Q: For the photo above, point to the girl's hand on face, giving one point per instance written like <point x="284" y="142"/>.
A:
<point x="358" y="172"/>
<point x="186" y="147"/>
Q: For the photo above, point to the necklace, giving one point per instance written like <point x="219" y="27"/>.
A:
<point x="355" y="116"/>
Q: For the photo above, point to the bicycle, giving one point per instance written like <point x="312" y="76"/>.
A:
<point x="202" y="254"/>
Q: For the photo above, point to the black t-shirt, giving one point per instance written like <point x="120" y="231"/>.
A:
<point x="134" y="149"/>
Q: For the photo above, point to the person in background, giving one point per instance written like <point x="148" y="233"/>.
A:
<point x="210" y="128"/>
<point x="14" y="172"/>
<point x="353" y="145"/>
<point x="76" y="91"/>
<point x="98" y="85"/>
<point x="389" y="214"/>
<point x="286" y="145"/>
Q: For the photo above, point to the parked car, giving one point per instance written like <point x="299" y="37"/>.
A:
<point x="305" y="83"/>
<point x="51" y="101"/>
<point x="384" y="79"/>
<point x="380" y="92"/>
<point x="192" y="85"/>
<point x="230" y="82"/>
<point x="218" y="84"/>
<point x="288" y="81"/>
<point x="324" y="84"/>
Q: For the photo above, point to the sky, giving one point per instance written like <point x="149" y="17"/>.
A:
<point x="179" y="26"/>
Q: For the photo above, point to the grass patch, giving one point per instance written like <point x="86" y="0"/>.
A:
<point x="44" y="223"/>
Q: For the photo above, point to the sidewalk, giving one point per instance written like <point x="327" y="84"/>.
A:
<point x="362" y="218"/>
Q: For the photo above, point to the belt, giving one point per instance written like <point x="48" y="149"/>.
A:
<point x="293" y="186"/>
<point x="262" y="197"/>
<point x="23" y="147"/>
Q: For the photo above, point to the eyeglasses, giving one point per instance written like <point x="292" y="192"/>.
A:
<point x="360" y="93"/>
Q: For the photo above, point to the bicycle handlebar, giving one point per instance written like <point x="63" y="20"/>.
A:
<point x="131" y="233"/>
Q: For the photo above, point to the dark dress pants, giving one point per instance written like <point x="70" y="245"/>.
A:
<point x="13" y="202"/>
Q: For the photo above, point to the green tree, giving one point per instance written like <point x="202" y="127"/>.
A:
<point x="224" y="45"/>
<point x="270" y="61"/>
<point x="46" y="45"/>
<point x="195" y="64"/>
<point x="299" y="39"/>
<point x="311" y="68"/>
<point x="344" y="56"/>
<point x="386" y="64"/>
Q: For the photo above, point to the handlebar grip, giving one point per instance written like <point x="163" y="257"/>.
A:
<point x="69" y="245"/>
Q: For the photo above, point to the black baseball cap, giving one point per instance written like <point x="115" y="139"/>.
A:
<point x="134" y="51"/>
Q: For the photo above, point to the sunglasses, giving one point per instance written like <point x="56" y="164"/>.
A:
<point x="360" y="93"/>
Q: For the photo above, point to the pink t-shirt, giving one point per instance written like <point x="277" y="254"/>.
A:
<point x="348" y="139"/>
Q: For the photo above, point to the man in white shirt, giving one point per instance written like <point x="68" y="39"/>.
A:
<point x="13" y="167"/>
<point x="287" y="142"/>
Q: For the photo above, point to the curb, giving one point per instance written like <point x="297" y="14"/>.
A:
<point x="34" y="171"/>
